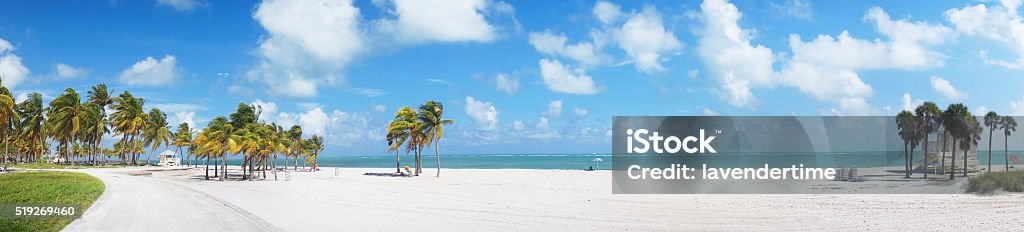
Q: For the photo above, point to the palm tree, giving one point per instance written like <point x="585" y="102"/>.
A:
<point x="63" y="117"/>
<point x="157" y="132"/>
<point x="972" y="134"/>
<point x="295" y="142"/>
<point x="409" y="131"/>
<point x="100" y="95"/>
<point x="929" y="114"/>
<point x="129" y="119"/>
<point x="8" y="116"/>
<point x="182" y="138"/>
<point x="992" y="121"/>
<point x="316" y="145"/>
<point x="1008" y="125"/>
<point x="955" y="121"/>
<point x="93" y="128"/>
<point x="431" y="114"/>
<point x="910" y="131"/>
<point x="33" y="124"/>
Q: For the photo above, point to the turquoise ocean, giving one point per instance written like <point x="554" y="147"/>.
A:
<point x="584" y="161"/>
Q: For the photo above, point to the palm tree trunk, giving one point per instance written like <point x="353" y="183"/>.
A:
<point x="990" y="149"/>
<point x="274" y="166"/>
<point x="1006" y="152"/>
<point x="965" y="160"/>
<point x="398" y="162"/>
<point x="952" y="161"/>
<point x="910" y="170"/>
<point x="944" y="149"/>
<point x="207" y="167"/>
<point x="927" y="161"/>
<point x="437" y="155"/>
<point x="906" y="166"/>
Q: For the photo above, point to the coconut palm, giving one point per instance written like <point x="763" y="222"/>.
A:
<point x="316" y="145"/>
<point x="157" y="133"/>
<point x="33" y="125"/>
<point x="1008" y="125"/>
<point x="295" y="144"/>
<point x="992" y="121"/>
<point x="129" y="120"/>
<point x="910" y="131"/>
<point x="409" y="131"/>
<point x="929" y="114"/>
<point x="955" y="121"/>
<point x="8" y="116"/>
<point x="431" y="114"/>
<point x="63" y="118"/>
<point x="93" y="128"/>
<point x="183" y="138"/>
<point x="100" y="95"/>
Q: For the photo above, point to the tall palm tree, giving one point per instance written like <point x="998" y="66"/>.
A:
<point x="929" y="114"/>
<point x="129" y="120"/>
<point x="8" y="116"/>
<point x="992" y="121"/>
<point x="409" y="131"/>
<point x="955" y="121"/>
<point x="63" y="117"/>
<point x="910" y="131"/>
<point x="93" y="128"/>
<point x="183" y="138"/>
<point x="33" y="123"/>
<point x="972" y="134"/>
<point x="431" y="114"/>
<point x="316" y="145"/>
<point x="100" y="95"/>
<point x="295" y="144"/>
<point x="1008" y="125"/>
<point x="157" y="132"/>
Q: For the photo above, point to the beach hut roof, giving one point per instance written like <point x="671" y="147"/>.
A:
<point x="167" y="153"/>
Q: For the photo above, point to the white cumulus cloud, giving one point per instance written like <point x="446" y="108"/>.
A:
<point x="506" y="84"/>
<point x="152" y="72"/>
<point x="483" y="113"/>
<point x="439" y="20"/>
<point x="67" y="71"/>
<point x="646" y="41"/>
<point x="563" y="79"/>
<point x="12" y="70"/>
<point x="946" y="89"/>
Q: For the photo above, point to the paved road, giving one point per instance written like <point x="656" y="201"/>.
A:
<point x="142" y="203"/>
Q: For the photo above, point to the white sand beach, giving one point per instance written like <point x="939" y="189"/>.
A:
<point x="547" y="200"/>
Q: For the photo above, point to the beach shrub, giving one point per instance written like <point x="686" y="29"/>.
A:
<point x="992" y="181"/>
<point x="45" y="188"/>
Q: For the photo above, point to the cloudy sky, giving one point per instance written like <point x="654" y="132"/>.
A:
<point x="519" y="77"/>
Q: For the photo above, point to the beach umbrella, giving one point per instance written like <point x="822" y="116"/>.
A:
<point x="597" y="162"/>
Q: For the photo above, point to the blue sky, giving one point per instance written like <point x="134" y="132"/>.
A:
<point x="519" y="77"/>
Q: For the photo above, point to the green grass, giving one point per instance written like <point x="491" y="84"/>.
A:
<point x="46" y="188"/>
<point x="989" y="182"/>
<point x="60" y="166"/>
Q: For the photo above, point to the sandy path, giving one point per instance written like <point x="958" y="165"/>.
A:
<point x="555" y="200"/>
<point x="142" y="203"/>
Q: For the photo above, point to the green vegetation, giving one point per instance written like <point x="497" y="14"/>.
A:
<point x="990" y="182"/>
<point x="61" y="166"/>
<point x="77" y="125"/>
<point x="416" y="130"/>
<point x="957" y="125"/>
<point x="47" y="188"/>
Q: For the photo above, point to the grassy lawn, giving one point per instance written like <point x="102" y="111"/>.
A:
<point x="991" y="181"/>
<point x="46" y="188"/>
